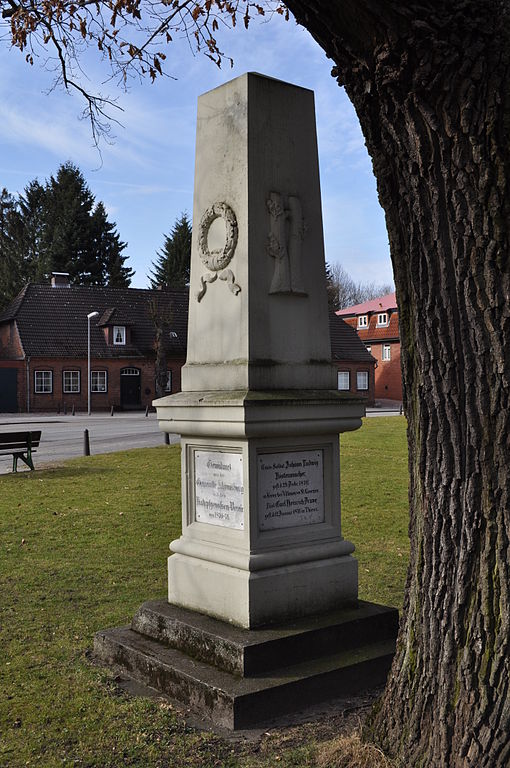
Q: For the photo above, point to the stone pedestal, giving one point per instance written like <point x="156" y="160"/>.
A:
<point x="261" y="533"/>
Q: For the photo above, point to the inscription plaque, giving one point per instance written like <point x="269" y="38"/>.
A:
<point x="219" y="489"/>
<point x="290" y="489"/>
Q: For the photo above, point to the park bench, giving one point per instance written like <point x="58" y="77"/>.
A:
<point x="20" y="445"/>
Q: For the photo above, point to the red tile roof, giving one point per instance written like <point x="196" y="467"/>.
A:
<point x="52" y="322"/>
<point x="380" y="304"/>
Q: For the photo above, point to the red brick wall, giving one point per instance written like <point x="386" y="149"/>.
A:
<point x="99" y="401"/>
<point x="353" y="368"/>
<point x="388" y="375"/>
<point x="10" y="346"/>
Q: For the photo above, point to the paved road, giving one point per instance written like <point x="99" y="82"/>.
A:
<point x="62" y="436"/>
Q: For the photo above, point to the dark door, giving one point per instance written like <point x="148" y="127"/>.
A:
<point x="8" y="390"/>
<point x="130" y="389"/>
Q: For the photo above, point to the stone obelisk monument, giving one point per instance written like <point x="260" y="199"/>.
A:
<point x="259" y="415"/>
<point x="261" y="576"/>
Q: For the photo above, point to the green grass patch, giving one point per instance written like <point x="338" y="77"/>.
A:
<point x="81" y="546"/>
<point x="375" y="507"/>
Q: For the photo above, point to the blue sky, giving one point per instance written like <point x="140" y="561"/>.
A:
<point x="145" y="177"/>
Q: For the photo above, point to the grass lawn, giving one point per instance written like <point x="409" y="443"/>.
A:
<point x="83" y="544"/>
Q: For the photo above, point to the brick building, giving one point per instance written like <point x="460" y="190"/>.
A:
<point x="376" y="322"/>
<point x="353" y="361"/>
<point x="43" y="348"/>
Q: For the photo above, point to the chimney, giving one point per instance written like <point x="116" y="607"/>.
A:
<point x="60" y="280"/>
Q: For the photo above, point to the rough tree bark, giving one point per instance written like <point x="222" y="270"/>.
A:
<point x="429" y="82"/>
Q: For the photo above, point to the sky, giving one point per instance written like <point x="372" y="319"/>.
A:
<point x="145" y="175"/>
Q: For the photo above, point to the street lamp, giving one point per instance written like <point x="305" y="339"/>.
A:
<point x="89" y="383"/>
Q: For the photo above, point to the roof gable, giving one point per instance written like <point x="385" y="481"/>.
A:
<point x="345" y="342"/>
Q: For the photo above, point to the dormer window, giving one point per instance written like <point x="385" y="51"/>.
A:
<point x="382" y="319"/>
<point x="119" y="334"/>
<point x="363" y="321"/>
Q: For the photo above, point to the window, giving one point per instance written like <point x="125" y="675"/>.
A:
<point x="119" y="334"/>
<point x="168" y="387"/>
<point x="71" y="381"/>
<point x="382" y="318"/>
<point x="344" y="381"/>
<point x="98" y="380"/>
<point x="363" y="321"/>
<point x="43" y="382"/>
<point x="386" y="352"/>
<point x="362" y="380"/>
<point x="369" y="348"/>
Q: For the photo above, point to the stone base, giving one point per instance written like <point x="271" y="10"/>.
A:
<point x="237" y="678"/>
<point x="252" y="599"/>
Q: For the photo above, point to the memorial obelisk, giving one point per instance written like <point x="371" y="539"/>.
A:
<point x="259" y="414"/>
<point x="262" y="615"/>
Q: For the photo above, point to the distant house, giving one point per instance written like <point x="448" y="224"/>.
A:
<point x="43" y="348"/>
<point x="376" y="323"/>
<point x="354" y="363"/>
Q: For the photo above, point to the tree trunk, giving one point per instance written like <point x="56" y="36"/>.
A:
<point x="429" y="84"/>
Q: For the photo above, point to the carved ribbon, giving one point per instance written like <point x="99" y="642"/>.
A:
<point x="228" y="276"/>
<point x="204" y="279"/>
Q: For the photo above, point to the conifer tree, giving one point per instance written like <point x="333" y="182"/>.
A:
<point x="10" y="266"/>
<point x="107" y="251"/>
<point x="58" y="227"/>
<point x="172" y="267"/>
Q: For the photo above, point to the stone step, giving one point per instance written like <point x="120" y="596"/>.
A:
<point x="234" y="702"/>
<point x="257" y="651"/>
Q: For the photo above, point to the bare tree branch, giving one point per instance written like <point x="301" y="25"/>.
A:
<point x="129" y="35"/>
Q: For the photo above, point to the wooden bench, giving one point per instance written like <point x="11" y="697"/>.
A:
<point x="21" y="445"/>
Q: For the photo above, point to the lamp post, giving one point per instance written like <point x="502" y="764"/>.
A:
<point x="89" y="383"/>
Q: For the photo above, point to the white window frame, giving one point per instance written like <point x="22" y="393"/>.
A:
<point x="386" y="353"/>
<point x="94" y="381"/>
<point x="168" y="386"/>
<point x="42" y="377"/>
<point x="72" y="385"/>
<point x="362" y="375"/>
<point x="369" y="348"/>
<point x="343" y="374"/>
<point x="362" y="321"/>
<point x="382" y="320"/>
<point x="122" y="330"/>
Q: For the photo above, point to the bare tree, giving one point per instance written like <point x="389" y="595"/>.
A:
<point x="129" y="36"/>
<point x="161" y="315"/>
<point x="344" y="292"/>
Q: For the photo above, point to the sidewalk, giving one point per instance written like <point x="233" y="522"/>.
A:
<point x="63" y="436"/>
<point x="23" y="419"/>
<point x="384" y="407"/>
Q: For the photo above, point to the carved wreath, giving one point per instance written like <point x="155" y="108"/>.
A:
<point x="219" y="258"/>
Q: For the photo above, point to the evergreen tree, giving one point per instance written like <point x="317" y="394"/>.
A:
<point x="171" y="269"/>
<point x="67" y="237"/>
<point x="107" y="250"/>
<point x="10" y="266"/>
<point x="32" y="214"/>
<point x="58" y="227"/>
